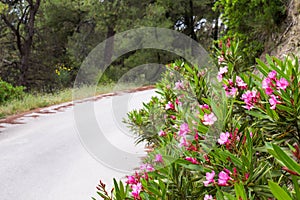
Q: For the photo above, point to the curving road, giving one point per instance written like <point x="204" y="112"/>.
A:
<point x="43" y="157"/>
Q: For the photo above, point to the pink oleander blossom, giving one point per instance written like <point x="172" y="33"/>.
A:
<point x="250" y="98"/>
<point x="173" y="117"/>
<point x="247" y="176"/>
<point x="230" y="90"/>
<point x="131" y="180"/>
<point x="179" y="85"/>
<point x="184" y="129"/>
<point x="220" y="77"/>
<point x="192" y="160"/>
<point x="169" y="106"/>
<point x="183" y="142"/>
<point x="178" y="102"/>
<point x="209" y="178"/>
<point x="204" y="107"/>
<point x="273" y="101"/>
<point x="208" y="197"/>
<point x="147" y="167"/>
<point x="269" y="91"/>
<point x="224" y="138"/>
<point x="282" y="84"/>
<point x="209" y="119"/>
<point x="136" y="189"/>
<point x="221" y="73"/>
<point x="223" y="178"/>
<point x="221" y="59"/>
<point x="240" y="83"/>
<point x="223" y="70"/>
<point x="272" y="75"/>
<point x="158" y="158"/>
<point x="162" y="133"/>
<point x="266" y="83"/>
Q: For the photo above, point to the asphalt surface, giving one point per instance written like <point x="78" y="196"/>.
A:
<point x="44" y="158"/>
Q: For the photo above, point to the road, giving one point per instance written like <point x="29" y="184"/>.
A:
<point x="44" y="158"/>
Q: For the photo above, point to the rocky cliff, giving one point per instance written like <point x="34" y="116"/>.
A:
<point x="289" y="40"/>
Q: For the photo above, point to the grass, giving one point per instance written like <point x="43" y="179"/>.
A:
<point x="33" y="101"/>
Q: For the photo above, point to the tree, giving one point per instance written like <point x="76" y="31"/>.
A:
<point x="19" y="17"/>
<point x="253" y="22"/>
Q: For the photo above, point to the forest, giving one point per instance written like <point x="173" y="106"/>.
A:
<point x="43" y="43"/>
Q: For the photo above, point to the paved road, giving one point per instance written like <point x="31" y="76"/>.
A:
<point x="44" y="159"/>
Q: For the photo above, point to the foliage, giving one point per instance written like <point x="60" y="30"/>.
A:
<point x="235" y="140"/>
<point x="9" y="92"/>
<point x="253" y="22"/>
<point x="66" y="31"/>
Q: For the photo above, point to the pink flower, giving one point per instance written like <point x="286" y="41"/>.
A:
<point x="147" y="167"/>
<point x="158" y="158"/>
<point x="222" y="71"/>
<point x="162" y="133"/>
<point x="247" y="176"/>
<point x="184" y="129"/>
<point x="208" y="197"/>
<point x="272" y="75"/>
<point x="179" y="85"/>
<point x="224" y="138"/>
<point x="232" y="92"/>
<point x="240" y="83"/>
<point x="269" y="91"/>
<point x="220" y="77"/>
<point x="136" y="189"/>
<point x="250" y="98"/>
<point x="178" y="102"/>
<point x="209" y="119"/>
<point x="273" y="102"/>
<point x="266" y="83"/>
<point x="205" y="106"/>
<point x="183" y="142"/>
<point x="173" y="117"/>
<point x="131" y="180"/>
<point x="169" y="105"/>
<point x="192" y="160"/>
<point x="223" y="179"/>
<point x="209" y="178"/>
<point x="282" y="84"/>
<point x="221" y="59"/>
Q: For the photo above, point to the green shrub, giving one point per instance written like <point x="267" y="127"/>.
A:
<point x="9" y="92"/>
<point x="235" y="140"/>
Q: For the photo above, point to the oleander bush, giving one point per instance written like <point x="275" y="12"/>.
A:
<point x="233" y="134"/>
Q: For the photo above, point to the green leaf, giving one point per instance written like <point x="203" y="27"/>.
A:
<point x="259" y="115"/>
<point x="229" y="196"/>
<point x="262" y="67"/>
<point x="278" y="192"/>
<point x="240" y="191"/>
<point x="285" y="108"/>
<point x="233" y="158"/>
<point x="285" y="159"/>
<point x="296" y="186"/>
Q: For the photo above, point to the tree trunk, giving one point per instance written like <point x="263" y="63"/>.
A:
<point x="216" y="30"/>
<point x="27" y="43"/>
<point x="109" y="44"/>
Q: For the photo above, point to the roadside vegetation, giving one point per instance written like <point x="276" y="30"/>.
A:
<point x="233" y="134"/>
<point x="24" y="102"/>
<point x="238" y="139"/>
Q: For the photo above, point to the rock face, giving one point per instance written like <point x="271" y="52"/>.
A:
<point x="289" y="40"/>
